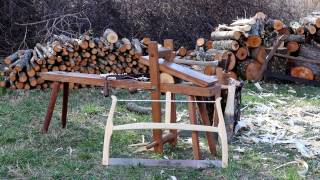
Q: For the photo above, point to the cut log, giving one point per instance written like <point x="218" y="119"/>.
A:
<point x="252" y="71"/>
<point x="242" y="53"/>
<point x="274" y="24"/>
<point x="200" y="42"/>
<point x="209" y="45"/>
<point x="225" y="45"/>
<point x="57" y="46"/>
<point x="13" y="57"/>
<point x="166" y="78"/>
<point x="292" y="46"/>
<point x="302" y="72"/>
<point x="126" y="42"/>
<point x="110" y="36"/>
<point x="24" y="60"/>
<point x="253" y="41"/>
<point x="182" y="51"/>
<point x="249" y="69"/>
<point x="22" y="77"/>
<point x="311" y="29"/>
<point x="210" y="70"/>
<point x="224" y="35"/>
<point x="259" y="54"/>
<point x="311" y="20"/>
<point x="297" y="28"/>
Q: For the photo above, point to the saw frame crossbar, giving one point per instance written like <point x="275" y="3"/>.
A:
<point x="220" y="129"/>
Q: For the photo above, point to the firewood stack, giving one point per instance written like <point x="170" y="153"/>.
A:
<point x="243" y="41"/>
<point x="303" y="43"/>
<point x="88" y="54"/>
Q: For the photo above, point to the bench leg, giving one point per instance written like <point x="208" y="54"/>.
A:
<point x="193" y="120"/>
<point x="65" y="105"/>
<point x="52" y="102"/>
<point x="206" y="121"/>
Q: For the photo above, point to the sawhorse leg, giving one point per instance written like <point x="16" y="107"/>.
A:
<point x="52" y="103"/>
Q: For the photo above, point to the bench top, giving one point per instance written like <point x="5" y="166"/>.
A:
<point x="97" y="80"/>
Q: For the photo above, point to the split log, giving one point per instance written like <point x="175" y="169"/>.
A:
<point x="225" y="45"/>
<point x="259" y="54"/>
<point x="224" y="35"/>
<point x="241" y="28"/>
<point x="110" y="36"/>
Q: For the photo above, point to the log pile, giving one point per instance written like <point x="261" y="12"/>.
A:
<point x="248" y="41"/>
<point x="88" y="54"/>
<point x="243" y="42"/>
<point x="303" y="44"/>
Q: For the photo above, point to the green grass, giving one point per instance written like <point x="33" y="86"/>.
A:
<point x="76" y="152"/>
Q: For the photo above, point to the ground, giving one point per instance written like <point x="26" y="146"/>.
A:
<point x="256" y="152"/>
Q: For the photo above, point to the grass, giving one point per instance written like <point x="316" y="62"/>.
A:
<point x="76" y="152"/>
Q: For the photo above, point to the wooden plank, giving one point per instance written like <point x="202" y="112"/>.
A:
<point x="155" y="94"/>
<point x="177" y="126"/>
<point x="182" y="72"/>
<point x="165" y="163"/>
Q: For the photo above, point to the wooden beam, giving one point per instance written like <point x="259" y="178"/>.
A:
<point x="155" y="94"/>
<point x="166" y="163"/>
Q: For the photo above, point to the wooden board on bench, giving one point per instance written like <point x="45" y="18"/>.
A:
<point x="182" y="72"/>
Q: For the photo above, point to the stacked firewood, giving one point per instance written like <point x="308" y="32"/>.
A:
<point x="303" y="46"/>
<point x="242" y="42"/>
<point x="88" y="54"/>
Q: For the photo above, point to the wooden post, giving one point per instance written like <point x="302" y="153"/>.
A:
<point x="65" y="104"/>
<point x="155" y="94"/>
<point x="168" y="43"/>
<point x="206" y="121"/>
<point x="193" y="120"/>
<point x="52" y="102"/>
